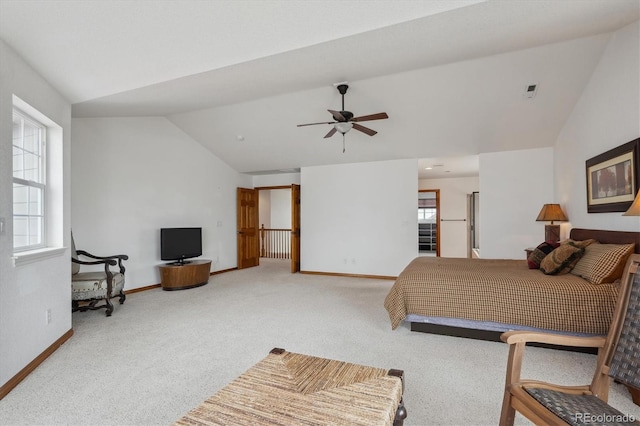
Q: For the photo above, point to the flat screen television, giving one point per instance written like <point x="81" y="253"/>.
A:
<point x="178" y="244"/>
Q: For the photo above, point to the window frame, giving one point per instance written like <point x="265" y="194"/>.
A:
<point x="41" y="184"/>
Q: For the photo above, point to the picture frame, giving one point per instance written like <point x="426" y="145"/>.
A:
<point x="613" y="178"/>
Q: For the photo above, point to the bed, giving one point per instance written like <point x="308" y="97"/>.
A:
<point x="481" y="298"/>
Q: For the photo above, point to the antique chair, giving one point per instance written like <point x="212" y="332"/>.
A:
<point x="618" y="358"/>
<point x="89" y="288"/>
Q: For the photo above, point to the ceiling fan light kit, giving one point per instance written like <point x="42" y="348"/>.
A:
<point x="343" y="127"/>
<point x="345" y="120"/>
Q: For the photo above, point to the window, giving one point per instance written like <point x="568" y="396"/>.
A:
<point x="427" y="214"/>
<point x="29" y="182"/>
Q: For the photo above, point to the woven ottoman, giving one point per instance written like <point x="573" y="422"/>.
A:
<point x="292" y="389"/>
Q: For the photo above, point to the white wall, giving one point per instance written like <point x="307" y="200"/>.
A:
<point x="133" y="176"/>
<point x="514" y="185"/>
<point x="275" y="208"/>
<point x="607" y="115"/>
<point x="276" y="179"/>
<point x="264" y="208"/>
<point x="280" y="208"/>
<point x="359" y="218"/>
<point x="453" y="205"/>
<point x="27" y="291"/>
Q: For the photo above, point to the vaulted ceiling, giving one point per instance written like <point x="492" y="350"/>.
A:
<point x="237" y="76"/>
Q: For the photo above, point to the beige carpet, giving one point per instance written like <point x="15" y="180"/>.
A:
<point x="163" y="353"/>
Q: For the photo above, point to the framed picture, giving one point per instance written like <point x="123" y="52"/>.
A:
<point x="613" y="178"/>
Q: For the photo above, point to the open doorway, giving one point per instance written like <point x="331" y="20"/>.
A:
<point x="279" y="223"/>
<point x="429" y="222"/>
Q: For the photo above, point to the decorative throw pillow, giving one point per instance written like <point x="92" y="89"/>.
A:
<point x="562" y="259"/>
<point x="582" y="243"/>
<point x="539" y="253"/>
<point x="603" y="263"/>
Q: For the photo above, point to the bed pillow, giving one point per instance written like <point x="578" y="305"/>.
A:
<point x="562" y="259"/>
<point x="603" y="263"/>
<point x="539" y="253"/>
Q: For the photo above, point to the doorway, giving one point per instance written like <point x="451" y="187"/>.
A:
<point x="269" y="225"/>
<point x="429" y="222"/>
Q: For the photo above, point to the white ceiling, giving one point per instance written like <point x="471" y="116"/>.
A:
<point x="237" y="76"/>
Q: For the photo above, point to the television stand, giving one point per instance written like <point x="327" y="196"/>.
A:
<point x="177" y="276"/>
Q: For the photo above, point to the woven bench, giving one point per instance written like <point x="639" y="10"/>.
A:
<point x="287" y="389"/>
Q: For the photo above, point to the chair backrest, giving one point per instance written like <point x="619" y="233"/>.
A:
<point x="611" y="362"/>
<point x="625" y="358"/>
<point x="75" y="267"/>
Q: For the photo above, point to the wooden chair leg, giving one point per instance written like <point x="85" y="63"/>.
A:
<point x="508" y="414"/>
<point x="635" y="395"/>
<point x="109" y="307"/>
<point x="122" y="297"/>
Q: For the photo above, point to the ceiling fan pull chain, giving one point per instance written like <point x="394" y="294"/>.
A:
<point x="343" y="148"/>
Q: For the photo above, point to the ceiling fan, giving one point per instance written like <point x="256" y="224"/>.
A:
<point x="345" y="121"/>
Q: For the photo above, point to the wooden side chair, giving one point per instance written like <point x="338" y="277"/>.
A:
<point x="618" y="358"/>
<point x="90" y="288"/>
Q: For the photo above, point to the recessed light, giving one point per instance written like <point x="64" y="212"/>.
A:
<point x="428" y="168"/>
<point x="240" y="138"/>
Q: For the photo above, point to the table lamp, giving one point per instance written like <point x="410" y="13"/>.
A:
<point x="551" y="212"/>
<point x="634" y="209"/>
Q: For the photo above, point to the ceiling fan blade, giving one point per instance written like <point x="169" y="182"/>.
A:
<point x="378" y="116"/>
<point x="363" y="129"/>
<point x="313" y="124"/>
<point x="337" y="115"/>
<point x="331" y="132"/>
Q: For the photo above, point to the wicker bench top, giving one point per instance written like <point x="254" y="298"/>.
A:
<point x="287" y="388"/>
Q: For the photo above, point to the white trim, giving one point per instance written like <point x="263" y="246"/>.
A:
<point x="30" y="256"/>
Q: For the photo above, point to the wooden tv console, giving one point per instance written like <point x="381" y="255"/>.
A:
<point x="181" y="277"/>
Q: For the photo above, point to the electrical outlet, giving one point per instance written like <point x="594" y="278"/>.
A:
<point x="48" y="317"/>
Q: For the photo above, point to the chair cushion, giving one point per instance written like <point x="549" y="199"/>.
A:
<point x="93" y="285"/>
<point x="579" y="409"/>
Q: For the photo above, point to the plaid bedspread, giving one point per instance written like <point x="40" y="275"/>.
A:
<point x="504" y="291"/>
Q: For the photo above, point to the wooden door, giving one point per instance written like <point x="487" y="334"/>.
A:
<point x="247" y="228"/>
<point x="295" y="228"/>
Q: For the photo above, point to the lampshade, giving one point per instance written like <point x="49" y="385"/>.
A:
<point x="551" y="212"/>
<point x="343" y="127"/>
<point x="634" y="210"/>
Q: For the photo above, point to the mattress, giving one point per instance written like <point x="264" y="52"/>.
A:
<point x="500" y="291"/>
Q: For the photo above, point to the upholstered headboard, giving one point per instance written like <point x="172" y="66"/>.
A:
<point x="607" y="237"/>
